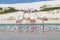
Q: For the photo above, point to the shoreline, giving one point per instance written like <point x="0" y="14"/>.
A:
<point x="29" y="24"/>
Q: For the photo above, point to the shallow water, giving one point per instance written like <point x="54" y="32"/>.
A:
<point x="29" y="36"/>
<point x="51" y="35"/>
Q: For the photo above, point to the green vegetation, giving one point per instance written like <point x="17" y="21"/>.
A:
<point x="44" y="6"/>
<point x="0" y="8"/>
<point x="9" y="10"/>
<point x="2" y="13"/>
<point x="50" y="8"/>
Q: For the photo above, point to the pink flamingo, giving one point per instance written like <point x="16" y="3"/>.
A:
<point x="20" y="29"/>
<point x="33" y="29"/>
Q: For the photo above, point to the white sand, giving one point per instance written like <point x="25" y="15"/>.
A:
<point x="34" y="5"/>
<point x="16" y="15"/>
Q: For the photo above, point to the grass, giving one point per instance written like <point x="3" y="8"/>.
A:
<point x="43" y="9"/>
<point x="5" y="12"/>
<point x="11" y="9"/>
<point x="50" y="9"/>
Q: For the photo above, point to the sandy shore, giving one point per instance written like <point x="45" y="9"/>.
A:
<point x="24" y="22"/>
<point x="35" y="15"/>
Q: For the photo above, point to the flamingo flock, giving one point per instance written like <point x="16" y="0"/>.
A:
<point x="29" y="28"/>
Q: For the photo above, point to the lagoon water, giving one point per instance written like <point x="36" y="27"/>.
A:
<point x="29" y="36"/>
